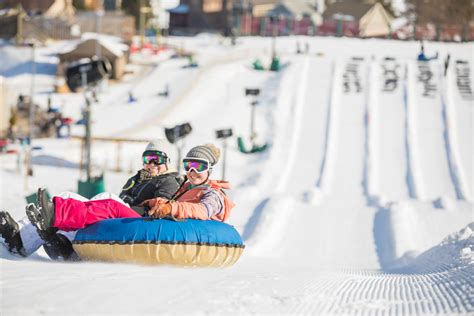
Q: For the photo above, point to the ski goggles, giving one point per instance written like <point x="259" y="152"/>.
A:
<point x="198" y="165"/>
<point x="155" y="159"/>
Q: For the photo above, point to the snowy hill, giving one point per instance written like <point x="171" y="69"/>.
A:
<point x="369" y="169"/>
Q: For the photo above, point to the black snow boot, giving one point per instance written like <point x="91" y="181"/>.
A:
<point x="37" y="219"/>
<point x="58" y="247"/>
<point x="10" y="232"/>
<point x="43" y="215"/>
<point x="46" y="207"/>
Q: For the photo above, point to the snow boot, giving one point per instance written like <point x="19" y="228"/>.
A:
<point x="10" y="232"/>
<point x="46" y="207"/>
<point x="58" y="247"/>
<point x="43" y="215"/>
<point x="36" y="217"/>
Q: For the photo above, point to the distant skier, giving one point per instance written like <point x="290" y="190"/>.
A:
<point x="446" y="64"/>
<point x="423" y="57"/>
<point x="131" y="98"/>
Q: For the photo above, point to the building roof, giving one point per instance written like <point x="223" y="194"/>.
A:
<point x="260" y="2"/>
<point x="180" y="9"/>
<point x="49" y="7"/>
<point x="354" y="8"/>
<point x="376" y="22"/>
<point x="259" y="10"/>
<point x="300" y="6"/>
<point x="87" y="45"/>
<point x="283" y="7"/>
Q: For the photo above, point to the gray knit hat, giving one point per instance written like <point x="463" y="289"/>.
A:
<point x="159" y="145"/>
<point x="207" y="151"/>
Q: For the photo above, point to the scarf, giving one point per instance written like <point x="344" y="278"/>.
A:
<point x="144" y="175"/>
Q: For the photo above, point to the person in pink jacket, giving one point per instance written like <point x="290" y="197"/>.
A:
<point x="199" y="197"/>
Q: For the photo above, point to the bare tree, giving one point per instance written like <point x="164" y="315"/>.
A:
<point x="440" y="11"/>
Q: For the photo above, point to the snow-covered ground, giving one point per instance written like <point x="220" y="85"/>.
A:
<point x="363" y="203"/>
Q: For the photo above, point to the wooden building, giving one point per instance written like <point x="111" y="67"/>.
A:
<point x="115" y="53"/>
<point x="364" y="18"/>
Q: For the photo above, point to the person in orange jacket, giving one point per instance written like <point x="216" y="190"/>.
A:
<point x="199" y="197"/>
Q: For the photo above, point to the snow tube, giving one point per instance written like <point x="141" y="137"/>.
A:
<point x="160" y="241"/>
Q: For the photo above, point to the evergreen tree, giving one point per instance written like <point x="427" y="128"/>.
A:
<point x="132" y="7"/>
<point x="440" y="11"/>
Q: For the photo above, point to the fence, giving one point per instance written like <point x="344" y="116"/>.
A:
<point x="263" y="26"/>
<point x="47" y="28"/>
<point x="247" y="25"/>
<point x="118" y="143"/>
<point x="38" y="27"/>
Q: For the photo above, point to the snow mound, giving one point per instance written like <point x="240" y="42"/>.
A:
<point x="455" y="252"/>
<point x="313" y="196"/>
<point x="271" y="227"/>
<point x="445" y="202"/>
<point x="15" y="57"/>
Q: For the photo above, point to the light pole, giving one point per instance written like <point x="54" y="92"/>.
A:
<point x="31" y="111"/>
<point x="87" y="118"/>
<point x="19" y="22"/>
<point x="143" y="10"/>
<point x="224" y="134"/>
<point x="252" y="92"/>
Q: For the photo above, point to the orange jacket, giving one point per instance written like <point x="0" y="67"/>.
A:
<point x="189" y="201"/>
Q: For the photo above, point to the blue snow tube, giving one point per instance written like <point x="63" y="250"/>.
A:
<point x="160" y="241"/>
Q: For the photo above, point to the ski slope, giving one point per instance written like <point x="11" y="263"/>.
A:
<point x="460" y="119"/>
<point x="388" y="133"/>
<point x="432" y="177"/>
<point x="361" y="205"/>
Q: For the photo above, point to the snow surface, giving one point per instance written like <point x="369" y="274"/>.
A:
<point x="347" y="212"/>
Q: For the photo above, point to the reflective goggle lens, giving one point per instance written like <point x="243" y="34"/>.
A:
<point x="198" y="166"/>
<point x="155" y="159"/>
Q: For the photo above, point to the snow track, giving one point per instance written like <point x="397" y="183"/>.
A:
<point x="459" y="101"/>
<point x="351" y="132"/>
<point x="156" y="117"/>
<point x="313" y="122"/>
<point x="388" y="156"/>
<point x="426" y="129"/>
<point x="373" y="145"/>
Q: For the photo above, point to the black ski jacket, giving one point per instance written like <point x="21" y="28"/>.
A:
<point x="164" y="185"/>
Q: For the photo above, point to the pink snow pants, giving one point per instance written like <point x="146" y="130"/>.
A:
<point x="71" y="214"/>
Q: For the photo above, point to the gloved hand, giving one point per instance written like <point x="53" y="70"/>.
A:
<point x="160" y="210"/>
<point x="151" y="203"/>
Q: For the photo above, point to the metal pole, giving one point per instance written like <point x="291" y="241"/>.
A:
<point x="141" y="22"/>
<point x="274" y="33"/>
<point x="19" y="22"/>
<point x="224" y="158"/>
<point x="87" y="117"/>
<point x="31" y="109"/>
<point x="179" y="158"/>
<point x="252" y="122"/>
<point x="273" y="44"/>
